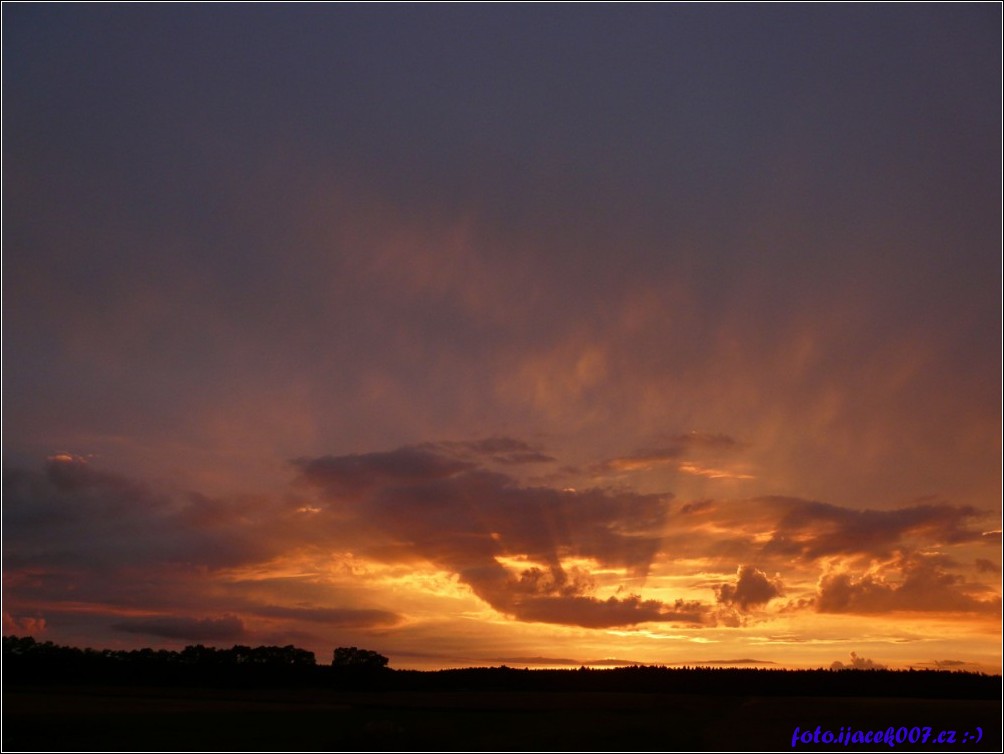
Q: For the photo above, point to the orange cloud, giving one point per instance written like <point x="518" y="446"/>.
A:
<point x="711" y="473"/>
<point x="922" y="585"/>
<point x="23" y="625"/>
<point x="752" y="588"/>
<point x="466" y="519"/>
<point x="394" y="540"/>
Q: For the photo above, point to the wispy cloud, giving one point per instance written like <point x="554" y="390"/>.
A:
<point x="504" y="450"/>
<point x="334" y="617"/>
<point x="225" y="628"/>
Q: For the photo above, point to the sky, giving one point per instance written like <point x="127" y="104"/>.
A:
<point x="506" y="334"/>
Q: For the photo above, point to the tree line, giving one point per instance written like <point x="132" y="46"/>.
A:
<point x="26" y="661"/>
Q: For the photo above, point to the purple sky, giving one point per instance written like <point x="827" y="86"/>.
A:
<point x="441" y="279"/>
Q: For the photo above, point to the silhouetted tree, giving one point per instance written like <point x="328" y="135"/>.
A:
<point x="355" y="658"/>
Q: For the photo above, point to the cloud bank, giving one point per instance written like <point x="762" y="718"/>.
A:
<point x="225" y="628"/>
<point x="464" y="518"/>
<point x="81" y="541"/>
<point x="752" y="588"/>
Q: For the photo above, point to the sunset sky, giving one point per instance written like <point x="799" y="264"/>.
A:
<point x="489" y="334"/>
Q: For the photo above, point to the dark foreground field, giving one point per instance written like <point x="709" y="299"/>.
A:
<point x="74" y="717"/>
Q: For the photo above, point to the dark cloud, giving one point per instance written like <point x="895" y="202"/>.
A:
<point x="225" y="628"/>
<point x="590" y="612"/>
<point x="987" y="566"/>
<point x="69" y="492"/>
<point x="532" y="456"/>
<point x="343" y="617"/>
<point x="461" y="517"/>
<point x="781" y="530"/>
<point x="358" y="473"/>
<point x="72" y="515"/>
<point x="504" y="450"/>
<point x="696" y="506"/>
<point x="563" y="583"/>
<point x="752" y="588"/>
<point x="813" y="530"/>
<point x="100" y="544"/>
<point x="857" y="663"/>
<point x="922" y="585"/>
<point x="707" y="441"/>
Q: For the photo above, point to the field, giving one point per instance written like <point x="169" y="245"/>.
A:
<point x="161" y="718"/>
